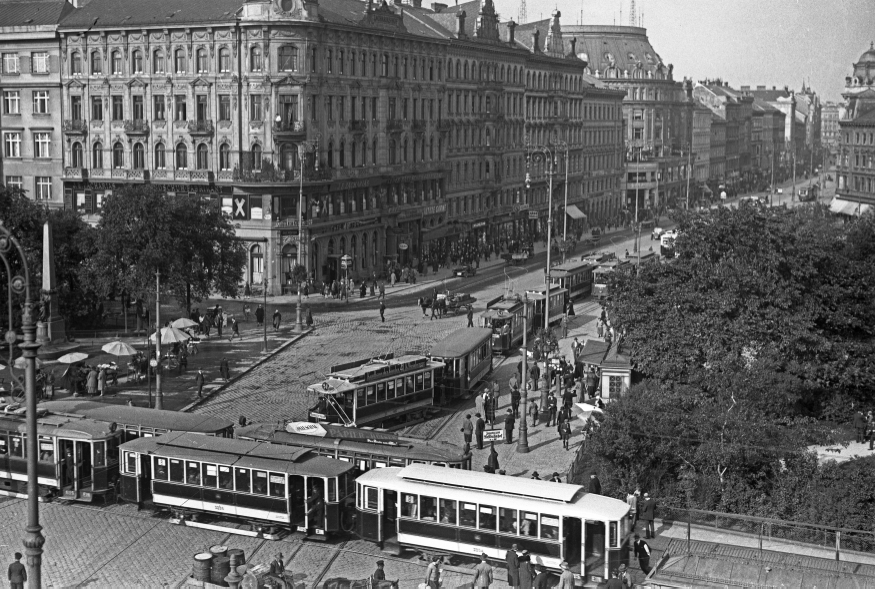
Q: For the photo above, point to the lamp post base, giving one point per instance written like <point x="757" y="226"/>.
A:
<point x="298" y="326"/>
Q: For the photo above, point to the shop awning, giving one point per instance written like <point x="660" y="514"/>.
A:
<point x="574" y="212"/>
<point x="840" y="206"/>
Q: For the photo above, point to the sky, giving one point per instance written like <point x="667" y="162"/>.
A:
<point x="745" y="42"/>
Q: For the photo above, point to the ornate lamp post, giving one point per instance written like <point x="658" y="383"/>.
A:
<point x="20" y="285"/>
<point x="304" y="148"/>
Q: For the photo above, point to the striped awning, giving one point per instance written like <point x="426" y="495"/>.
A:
<point x="574" y="212"/>
<point x="840" y="206"/>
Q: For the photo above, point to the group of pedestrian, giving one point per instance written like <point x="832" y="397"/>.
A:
<point x="864" y="428"/>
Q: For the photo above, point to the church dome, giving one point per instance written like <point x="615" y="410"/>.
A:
<point x="869" y="56"/>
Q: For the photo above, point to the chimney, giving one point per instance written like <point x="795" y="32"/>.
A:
<point x="536" y="41"/>
<point x="745" y="88"/>
<point x="573" y="46"/>
<point x="438" y="7"/>
<point x="511" y="32"/>
<point x="460" y="24"/>
<point x="761" y="87"/>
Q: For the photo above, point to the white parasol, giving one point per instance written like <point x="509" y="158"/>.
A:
<point x="72" y="357"/>
<point x="119" y="349"/>
<point x="171" y="335"/>
<point x="183" y="322"/>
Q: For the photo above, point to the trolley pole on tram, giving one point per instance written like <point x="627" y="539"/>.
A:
<point x="264" y="323"/>
<point x="159" y="396"/>
<point x="522" y="446"/>
<point x="18" y="285"/>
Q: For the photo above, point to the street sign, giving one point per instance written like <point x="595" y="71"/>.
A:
<point x="533" y="214"/>
<point x="493" y="435"/>
<point x="402" y="246"/>
<point x="153" y="362"/>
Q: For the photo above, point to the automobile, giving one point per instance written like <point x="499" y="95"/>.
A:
<point x="464" y="271"/>
<point x="657" y="231"/>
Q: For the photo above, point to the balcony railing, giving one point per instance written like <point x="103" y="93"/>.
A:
<point x="137" y="174"/>
<point x="358" y="125"/>
<point x="119" y="174"/>
<point x="75" y="173"/>
<point x="394" y="125"/>
<point x="289" y="127"/>
<point x="100" y="173"/>
<point x="75" y="126"/>
<point x="136" y="127"/>
<point x="202" y="127"/>
<point x="418" y="126"/>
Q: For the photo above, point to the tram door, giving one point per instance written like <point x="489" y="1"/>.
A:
<point x="390" y="515"/>
<point x="297" y="506"/>
<point x="571" y="528"/>
<point x="145" y="479"/>
<point x="316" y="503"/>
<point x="594" y="548"/>
<point x="71" y="463"/>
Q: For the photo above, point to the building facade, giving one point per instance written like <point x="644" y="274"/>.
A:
<point x="736" y="109"/>
<point x="718" y="149"/>
<point x="768" y="141"/>
<point x="855" y="166"/>
<point x="701" y="144"/>
<point x="831" y="114"/>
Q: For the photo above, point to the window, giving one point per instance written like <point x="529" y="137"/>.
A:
<point x="193" y="473"/>
<point x="10" y="63"/>
<point x="288" y="58"/>
<point x="202" y="157"/>
<point x="76" y="64"/>
<point x="96" y="108"/>
<point x="179" y="61"/>
<point x="131" y="462"/>
<point x="226" y="479"/>
<point x="96" y="63"/>
<point x="181" y="157"/>
<point x="158" y="62"/>
<point x="116" y="62"/>
<point x="468" y="515"/>
<point x="39" y="62"/>
<point x="41" y="102"/>
<point x="224" y="107"/>
<point x="487" y="517"/>
<point x="180" y="108"/>
<point x="137" y="107"/>
<point x="137" y="61"/>
<point x="224" y="60"/>
<point x="507" y="520"/>
<point x="202" y="61"/>
<point x="15" y="182"/>
<point x="43" y="187"/>
<point x="277" y="485"/>
<point x="177" y="471"/>
<point x="255" y="59"/>
<point x="139" y="156"/>
<point x="428" y="508"/>
<point x="76" y="153"/>
<point x="41" y="144"/>
<point x="259" y="482"/>
<point x="409" y="507"/>
<point x="97" y="155"/>
<point x="158" y="108"/>
<point x="255" y="108"/>
<point x="211" y="475"/>
<point x="11" y="102"/>
<point x="528" y="524"/>
<point x="160" y="470"/>
<point x="224" y="157"/>
<point x="118" y="108"/>
<point x="16" y="446"/>
<point x="256" y="157"/>
<point x="549" y="527"/>
<point x="242" y="482"/>
<point x="118" y="155"/>
<point x="328" y="58"/>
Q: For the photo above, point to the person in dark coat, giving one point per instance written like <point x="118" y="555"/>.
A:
<point x="199" y="382"/>
<point x="648" y="514"/>
<point x="527" y="575"/>
<point x="225" y="369"/>
<point x="235" y="329"/>
<point x="309" y="318"/>
<point x="515" y="398"/>
<point x="860" y="426"/>
<point x="551" y="409"/>
<point x="470" y="316"/>
<point x="595" y="485"/>
<point x="513" y="566"/>
<point x="467" y="429"/>
<point x="382" y="311"/>
<point x="259" y="315"/>
<point x="492" y="462"/>
<point x="379" y="574"/>
<point x="277" y="319"/>
<point x="565" y="433"/>
<point x="479" y="426"/>
<point x="542" y="579"/>
<point x="509" y="422"/>
<point x="642" y="553"/>
<point x="17" y="573"/>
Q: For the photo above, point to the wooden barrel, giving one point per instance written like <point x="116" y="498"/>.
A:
<point x="221" y="569"/>
<point x="219" y="550"/>
<point x="203" y="563"/>
<point x="237" y="557"/>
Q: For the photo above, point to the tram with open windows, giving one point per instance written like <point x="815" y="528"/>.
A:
<point x="507" y="317"/>
<point x="475" y="513"/>
<point x="364" y="448"/>
<point x="666" y="244"/>
<point x="574" y="276"/>
<point x="555" y="307"/>
<point x="467" y="358"/>
<point x="379" y="392"/>
<point x="215" y="483"/>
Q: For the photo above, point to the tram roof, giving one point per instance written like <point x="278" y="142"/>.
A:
<point x="154" y="418"/>
<point x="242" y="453"/>
<point x="506" y="304"/>
<point x="376" y="365"/>
<point x="461" y="342"/>
<point x="573" y="265"/>
<point x="58" y="425"/>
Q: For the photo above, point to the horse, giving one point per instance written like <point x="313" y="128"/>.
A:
<point x="369" y="583"/>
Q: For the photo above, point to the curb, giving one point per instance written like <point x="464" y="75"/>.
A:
<point x="197" y="402"/>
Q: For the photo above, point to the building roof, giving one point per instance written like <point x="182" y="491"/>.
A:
<point x="773" y="95"/>
<point x="619" y="47"/>
<point x="28" y="13"/>
<point x="122" y="13"/>
<point x="869" y="55"/>
<point x="761" y="106"/>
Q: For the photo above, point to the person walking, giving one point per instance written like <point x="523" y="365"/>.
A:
<point x="512" y="561"/>
<point x="470" y="316"/>
<point x="632" y="502"/>
<point x="860" y="426"/>
<point x="555" y="478"/>
<point x="614" y="582"/>
<point x="490" y="403"/>
<point x="235" y="328"/>
<point x="382" y="311"/>
<point x="92" y="382"/>
<point x="259" y="315"/>
<point x="509" y="422"/>
<point x="625" y="577"/>
<point x="17" y="573"/>
<point x="595" y="485"/>
<point x="648" y="514"/>
<point x="515" y="398"/>
<point x="383" y="290"/>
<point x="565" y="433"/>
<point x="433" y="573"/>
<point x="277" y="319"/>
<point x="379" y="574"/>
<point x="224" y="369"/>
<point x="101" y="381"/>
<point x="527" y="575"/>
<point x="483" y="573"/>
<point x="551" y="409"/>
<point x="467" y="429"/>
<point x="566" y="579"/>
<point x="542" y="578"/>
<point x="309" y="318"/>
<point x="533" y="412"/>
<point x="479" y="427"/>
<point x="642" y="553"/>
<point x="422" y="305"/>
<point x="199" y="380"/>
<point x="479" y="404"/>
<point x="434" y="304"/>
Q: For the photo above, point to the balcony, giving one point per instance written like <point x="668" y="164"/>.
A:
<point x="394" y="126"/>
<point x="100" y="173"/>
<point x="418" y="127"/>
<point x="119" y="174"/>
<point x="75" y="173"/>
<point x="358" y="125"/>
<point x="289" y="128"/>
<point x="137" y="127"/>
<point x="137" y="174"/>
<point x="75" y="126"/>
<point x="444" y="125"/>
<point x="202" y="127"/>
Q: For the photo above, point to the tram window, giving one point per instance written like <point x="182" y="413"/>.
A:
<point x="160" y="471"/>
<point x="399" y="387"/>
<point x="379" y="395"/>
<point x="348" y="397"/>
<point x="332" y="489"/>
<point x="419" y="382"/>
<point x="16" y="446"/>
<point x="46" y="450"/>
<point x="549" y="527"/>
<point x="99" y="453"/>
<point x="468" y="515"/>
<point x="4" y="449"/>
<point x="211" y="476"/>
<point x="380" y="464"/>
<point x="226" y="480"/>
<point x="193" y="473"/>
<point x="529" y="524"/>
<point x="409" y="384"/>
<point x="347" y="485"/>
<point x="277" y="485"/>
<point x="408" y="505"/>
<point x="396" y="462"/>
<point x="448" y="511"/>
<point x="612" y="534"/>
<point x="259" y="482"/>
<point x="390" y="389"/>
<point x="428" y="508"/>
<point x="444" y="464"/>
<point x="455" y="465"/>
<point x="361" y="397"/>
<point x="427" y="379"/>
<point x="241" y="480"/>
<point x="130" y="462"/>
<point x="371" y="498"/>
<point x="487" y="517"/>
<point x="177" y="471"/>
<point x="507" y="520"/>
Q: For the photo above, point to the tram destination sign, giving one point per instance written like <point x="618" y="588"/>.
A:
<point x="493" y="435"/>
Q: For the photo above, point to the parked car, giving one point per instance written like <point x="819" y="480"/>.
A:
<point x="465" y="271"/>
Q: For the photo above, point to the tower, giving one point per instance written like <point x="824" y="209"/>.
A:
<point x="522" y="17"/>
<point x="633" y="17"/>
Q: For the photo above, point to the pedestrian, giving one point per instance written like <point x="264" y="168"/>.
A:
<point x="565" y="433"/>
<point x="309" y="318"/>
<point x="224" y="369"/>
<point x="479" y="426"/>
<point x="648" y="514"/>
<point x="277" y="319"/>
<point x="470" y="316"/>
<point x="382" y="290"/>
<point x="483" y="573"/>
<point x="467" y="429"/>
<point x="490" y="403"/>
<point x="526" y="573"/>
<point x="199" y="380"/>
<point x="509" y="422"/>
<point x="564" y="326"/>
<point x="512" y="561"/>
<point x="235" y="329"/>
<point x="92" y="382"/>
<point x="533" y="412"/>
<point x="860" y="426"/>
<point x="17" y="573"/>
<point x="600" y="328"/>
<point x="614" y="582"/>
<point x="433" y="308"/>
<point x="382" y="311"/>
<point x="551" y="409"/>
<point x="566" y="579"/>
<point x="278" y="566"/>
<point x="535" y="476"/>
<point x="514" y="381"/>
<point x="379" y="574"/>
<point x="642" y="552"/>
<point x="101" y="381"/>
<point x="259" y="316"/>
<point x="479" y="404"/>
<point x="632" y="502"/>
<point x="542" y="579"/>
<point x="433" y="573"/>
<point x="555" y="478"/>
<point x="515" y="398"/>
<point x="595" y="485"/>
<point x="422" y="305"/>
<point x="624" y="576"/>
<point x="246" y="311"/>
<point x="492" y="461"/>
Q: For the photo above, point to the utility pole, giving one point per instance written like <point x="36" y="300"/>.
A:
<point x="522" y="446"/>
<point x="689" y="157"/>
<point x="159" y="396"/>
<point x="264" y="323"/>
<point x="793" y="194"/>
<point x="565" y="216"/>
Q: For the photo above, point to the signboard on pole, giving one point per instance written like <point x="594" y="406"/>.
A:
<point x="493" y="435"/>
<point x="533" y="214"/>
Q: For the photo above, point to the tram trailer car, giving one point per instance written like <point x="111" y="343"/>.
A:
<point x="474" y="513"/>
<point x="600" y="276"/>
<point x="556" y="308"/>
<point x="467" y="358"/>
<point x="379" y="392"/>
<point x="88" y="471"/>
<point x="504" y="316"/>
<point x="362" y="447"/>
<point x="273" y="488"/>
<point x="575" y="277"/>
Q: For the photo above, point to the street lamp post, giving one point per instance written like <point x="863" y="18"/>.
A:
<point x="20" y="285"/>
<point x="159" y="396"/>
<point x="523" y="444"/>
<point x="264" y="323"/>
<point x="565" y="209"/>
<point x="689" y="158"/>
<point x="303" y="148"/>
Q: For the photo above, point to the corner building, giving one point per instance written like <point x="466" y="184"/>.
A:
<point x="401" y="126"/>
<point x="855" y="165"/>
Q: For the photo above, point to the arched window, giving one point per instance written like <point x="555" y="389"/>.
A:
<point x="330" y="154"/>
<point x="158" y="62"/>
<point x="364" y="152"/>
<point x="181" y="157"/>
<point x="353" y="154"/>
<point x="342" y="245"/>
<point x="404" y="154"/>
<point x="288" y="58"/>
<point x="342" y="157"/>
<point x="118" y="155"/>
<point x="352" y="251"/>
<point x="139" y="156"/>
<point x="256" y="265"/>
<point x="137" y="61"/>
<point x="202" y="64"/>
<point x="289" y="157"/>
<point x="76" y="64"/>
<point x="160" y="162"/>
<point x="96" y="63"/>
<point x="203" y="157"/>
<point x="179" y="61"/>
<point x="224" y="157"/>
<point x="255" y="59"/>
<point x="431" y="148"/>
<point x="256" y="157"/>
<point x="77" y="155"/>
<point x="393" y="148"/>
<point x="374" y="152"/>
<point x="224" y="60"/>
<point x="97" y="155"/>
<point x="117" y="62"/>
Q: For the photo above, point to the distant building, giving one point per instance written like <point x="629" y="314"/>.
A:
<point x="736" y="109"/>
<point x="767" y="140"/>
<point x="717" y="161"/>
<point x="829" y="131"/>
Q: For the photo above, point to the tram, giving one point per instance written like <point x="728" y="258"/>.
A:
<point x="575" y="277"/>
<point x="645" y="258"/>
<point x="666" y="244"/>
<point x="212" y="483"/>
<point x="77" y="457"/>
<point x="600" y="276"/>
<point x="136" y="422"/>
<point x="363" y="448"/>
<point x="475" y="513"/>
<point x="378" y="392"/>
<point x="505" y="317"/>
<point x="467" y="358"/>
<point x="555" y="308"/>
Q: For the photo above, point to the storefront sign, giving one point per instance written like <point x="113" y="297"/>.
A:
<point x="493" y="435"/>
<point x="533" y="214"/>
<point x="353" y="184"/>
<point x="402" y="246"/>
<point x="434" y="209"/>
<point x="478" y="224"/>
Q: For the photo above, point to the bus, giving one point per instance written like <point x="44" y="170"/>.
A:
<point x="556" y="308"/>
<point x="473" y="513"/>
<point x="600" y="276"/>
<point x="136" y="422"/>
<point x="364" y="448"/>
<point x="506" y="317"/>
<point x="213" y="483"/>
<point x="666" y="244"/>
<point x="380" y="392"/>
<point x="575" y="277"/>
<point x="466" y="355"/>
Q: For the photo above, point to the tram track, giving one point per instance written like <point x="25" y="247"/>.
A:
<point x="336" y="552"/>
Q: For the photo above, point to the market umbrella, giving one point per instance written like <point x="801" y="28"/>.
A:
<point x="119" y="349"/>
<point x="171" y="335"/>
<point x="72" y="357"/>
<point x="183" y="322"/>
<point x="21" y="363"/>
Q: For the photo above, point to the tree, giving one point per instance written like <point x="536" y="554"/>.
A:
<point x="189" y="241"/>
